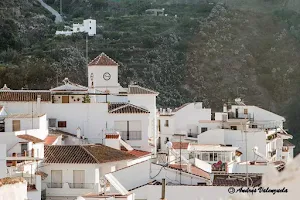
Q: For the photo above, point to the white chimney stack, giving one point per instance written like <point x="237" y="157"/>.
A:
<point x="113" y="140"/>
<point x="225" y="108"/>
<point x="38" y="104"/>
<point x="78" y="131"/>
<point x="164" y="111"/>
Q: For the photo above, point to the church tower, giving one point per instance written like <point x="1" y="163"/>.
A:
<point x="103" y="74"/>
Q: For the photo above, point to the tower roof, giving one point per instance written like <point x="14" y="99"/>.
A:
<point x="103" y="60"/>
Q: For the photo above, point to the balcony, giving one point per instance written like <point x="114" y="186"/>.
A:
<point x="193" y="135"/>
<point x="54" y="185"/>
<point x="82" y="185"/>
<point x="131" y="135"/>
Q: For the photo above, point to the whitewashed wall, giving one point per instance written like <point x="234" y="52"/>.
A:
<point x="25" y="123"/>
<point x="2" y="160"/>
<point x="15" y="191"/>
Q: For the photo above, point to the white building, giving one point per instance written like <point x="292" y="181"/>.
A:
<point x="75" y="170"/>
<point x="255" y="133"/>
<point x="88" y="26"/>
<point x="103" y="105"/>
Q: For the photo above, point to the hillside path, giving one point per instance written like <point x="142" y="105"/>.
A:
<point x="58" y="17"/>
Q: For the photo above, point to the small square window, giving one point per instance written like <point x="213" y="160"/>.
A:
<point x="167" y="123"/>
<point x="62" y="124"/>
<point x="246" y="111"/>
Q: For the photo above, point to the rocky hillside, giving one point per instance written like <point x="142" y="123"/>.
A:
<point x="209" y="52"/>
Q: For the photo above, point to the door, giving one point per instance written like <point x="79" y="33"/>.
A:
<point x="16" y="125"/>
<point x="56" y="178"/>
<point x="78" y="179"/>
<point x="65" y="99"/>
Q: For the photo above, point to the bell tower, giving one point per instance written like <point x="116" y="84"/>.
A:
<point x="103" y="74"/>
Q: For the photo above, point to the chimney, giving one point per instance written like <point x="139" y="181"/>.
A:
<point x="78" y="132"/>
<point x="113" y="140"/>
<point x="164" y="111"/>
<point x="160" y="110"/>
<point x="225" y="108"/>
<point x="14" y="162"/>
<point x="38" y="104"/>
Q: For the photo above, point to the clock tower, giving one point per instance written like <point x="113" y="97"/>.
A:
<point x="103" y="74"/>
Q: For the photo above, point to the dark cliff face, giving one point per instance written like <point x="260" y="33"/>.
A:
<point x="209" y="52"/>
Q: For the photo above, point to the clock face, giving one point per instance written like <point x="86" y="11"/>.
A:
<point x="106" y="76"/>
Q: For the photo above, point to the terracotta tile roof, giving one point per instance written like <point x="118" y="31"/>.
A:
<point x="136" y="89"/>
<point x="11" y="180"/>
<point x="236" y="180"/>
<point x="288" y="143"/>
<point x="84" y="154"/>
<point x="42" y="174"/>
<point x="30" y="138"/>
<point x="184" y="145"/>
<point x="126" y="108"/>
<point x="182" y="106"/>
<point x="238" y="153"/>
<point x="103" y="60"/>
<point x="50" y="139"/>
<point x="23" y="95"/>
<point x="137" y="153"/>
<point x="194" y="170"/>
<point x="112" y="136"/>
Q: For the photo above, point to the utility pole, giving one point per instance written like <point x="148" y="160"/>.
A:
<point x="87" y="52"/>
<point x="60" y="6"/>
<point x="163" y="190"/>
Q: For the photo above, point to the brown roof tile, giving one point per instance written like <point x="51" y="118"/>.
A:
<point x="112" y="136"/>
<point x="126" y="108"/>
<point x="184" y="145"/>
<point x="194" y="170"/>
<point x="84" y="154"/>
<point x="137" y="153"/>
<point x="30" y="138"/>
<point x="136" y="89"/>
<point x="103" y="60"/>
<point x="182" y="106"/>
<point x="236" y="180"/>
<point x="11" y="180"/>
<point x="288" y="143"/>
<point x="17" y="95"/>
<point x="50" y="139"/>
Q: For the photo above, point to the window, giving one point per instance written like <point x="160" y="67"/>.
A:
<point x="90" y="28"/>
<point x="78" y="29"/>
<point x="23" y="149"/>
<point x="203" y="129"/>
<point x="167" y="123"/>
<point x="233" y="127"/>
<point x="62" y="124"/>
<point x="215" y="157"/>
<point x="205" y="157"/>
<point x="254" y="126"/>
<point x="159" y="125"/>
<point x="16" y="125"/>
<point x="78" y="179"/>
<point x="211" y="156"/>
<point x="56" y="179"/>
<point x="283" y="157"/>
<point x="167" y="140"/>
<point x="52" y="122"/>
<point x="65" y="99"/>
<point x="246" y="111"/>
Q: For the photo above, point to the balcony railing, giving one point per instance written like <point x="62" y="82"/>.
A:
<point x="131" y="135"/>
<point x="54" y="185"/>
<point x="82" y="185"/>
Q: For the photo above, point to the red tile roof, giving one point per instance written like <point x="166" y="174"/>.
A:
<point x="84" y="154"/>
<point x="119" y="108"/>
<point x="17" y="95"/>
<point x="50" y="139"/>
<point x="112" y="136"/>
<point x="139" y="153"/>
<point x="136" y="89"/>
<point x="103" y="60"/>
<point x="184" y="145"/>
<point x="194" y="170"/>
<point x="30" y="138"/>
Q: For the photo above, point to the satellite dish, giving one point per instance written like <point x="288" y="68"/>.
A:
<point x="169" y="145"/>
<point x="255" y="149"/>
